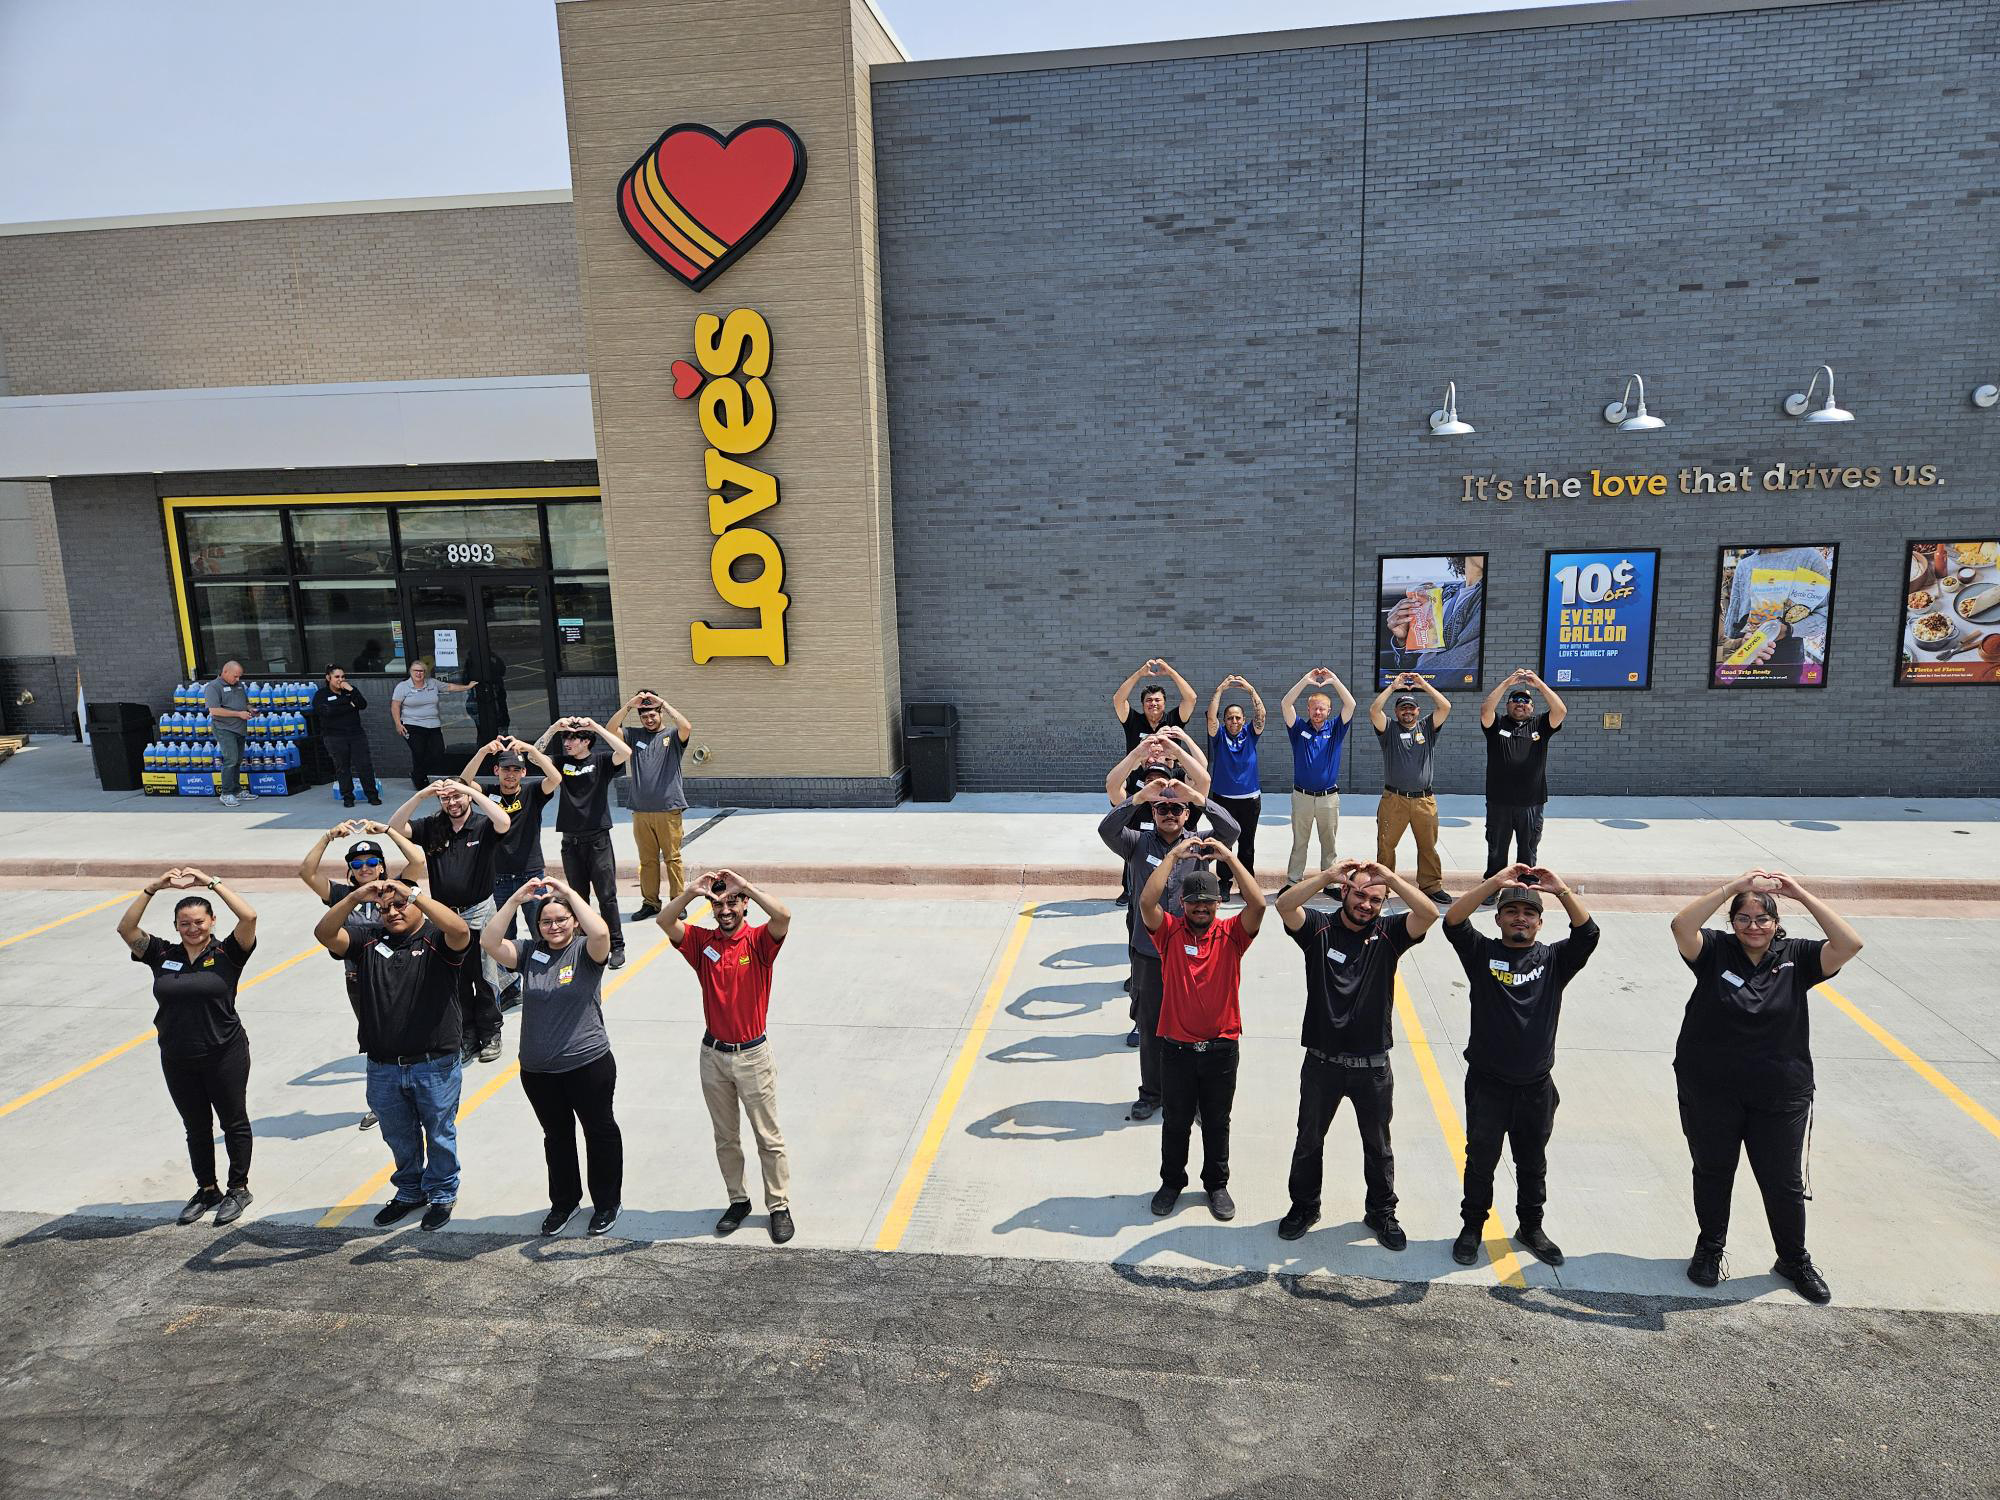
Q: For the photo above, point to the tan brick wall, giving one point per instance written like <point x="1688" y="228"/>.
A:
<point x="451" y="293"/>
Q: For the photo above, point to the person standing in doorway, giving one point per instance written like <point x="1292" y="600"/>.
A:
<point x="461" y="842"/>
<point x="1316" y="748"/>
<point x="659" y="796"/>
<point x="591" y="756"/>
<point x="1408" y="801"/>
<point x="336" y="708"/>
<point x="229" y="718"/>
<point x="1517" y="766"/>
<point x="1232" y="764"/>
<point x="414" y="708"/>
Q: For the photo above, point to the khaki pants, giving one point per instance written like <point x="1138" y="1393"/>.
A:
<point x="1310" y="812"/>
<point x="749" y="1080"/>
<point x="1419" y="814"/>
<point x="659" y="837"/>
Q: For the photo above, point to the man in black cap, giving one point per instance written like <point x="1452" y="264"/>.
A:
<point x="461" y="841"/>
<point x="1517" y="766"/>
<point x="519" y="859"/>
<point x="591" y="756"/>
<point x="1510" y="1094"/>
<point x="1407" y="800"/>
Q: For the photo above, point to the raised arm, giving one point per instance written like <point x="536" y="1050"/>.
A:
<point x="495" y="813"/>
<point x="1558" y="710"/>
<point x="309" y="867"/>
<point x="457" y="932"/>
<point x="470" y="775"/>
<point x="1155" y="889"/>
<point x="1547" y="880"/>
<point x="1257" y="705"/>
<point x="492" y="937"/>
<point x="415" y="866"/>
<point x="620" y="751"/>
<point x="399" y="820"/>
<point x="1289" y="704"/>
<point x="1842" y="941"/>
<point x="1440" y="705"/>
<point x="596" y="932"/>
<point x="683" y="726"/>
<point x="538" y="758"/>
<point x="1291" y="903"/>
<point x="1121" y="700"/>
<point x="1489" y="706"/>
<point x="1461" y="910"/>
<point x="1186" y="750"/>
<point x="330" y="932"/>
<point x="779" y="914"/>
<point x="1423" y="911"/>
<point x="1686" y="925"/>
<point x="1189" y="702"/>
<point x="1114" y="779"/>
<point x="1340" y="691"/>
<point x="1252" y="915"/>
<point x="129" y="931"/>
<point x="1215" y="706"/>
<point x="672" y="919"/>
<point x="630" y="705"/>
<point x="1376" y="716"/>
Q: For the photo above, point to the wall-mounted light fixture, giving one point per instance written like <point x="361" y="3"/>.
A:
<point x="1798" y="401"/>
<point x="1986" y="396"/>
<point x="1444" y="421"/>
<point x="1621" y="415"/>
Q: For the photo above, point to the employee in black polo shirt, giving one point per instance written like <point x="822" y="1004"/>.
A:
<point x="1743" y="1064"/>
<point x="407" y="992"/>
<point x="1517" y="765"/>
<point x="204" y="1050"/>
<point x="1517" y="993"/>
<point x="461" y="841"/>
<point x="523" y="798"/>
<point x="1407" y="800"/>
<point x="591" y="756"/>
<point x="1350" y="958"/>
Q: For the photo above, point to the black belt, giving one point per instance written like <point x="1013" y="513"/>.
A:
<point x="1213" y="1044"/>
<point x="1401" y="793"/>
<point x="1332" y="791"/>
<point x="1350" y="1059"/>
<point x="708" y="1040"/>
<point x="391" y="1060"/>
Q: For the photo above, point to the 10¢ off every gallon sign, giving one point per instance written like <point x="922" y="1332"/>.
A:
<point x="1597" y="619"/>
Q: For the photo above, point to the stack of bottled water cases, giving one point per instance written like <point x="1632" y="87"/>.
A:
<point x="185" y="758"/>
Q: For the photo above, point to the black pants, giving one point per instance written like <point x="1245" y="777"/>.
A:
<point x="1505" y="820"/>
<point x="426" y="753"/>
<point x="1322" y="1085"/>
<point x="479" y="1004"/>
<point x="587" y="862"/>
<point x="1146" y="1016"/>
<point x="1720" y="1127"/>
<point x="207" y="1089"/>
<point x="351" y="757"/>
<point x="562" y="1101"/>
<point x="1244" y="810"/>
<point x="1521" y="1114"/>
<point x="1196" y="1083"/>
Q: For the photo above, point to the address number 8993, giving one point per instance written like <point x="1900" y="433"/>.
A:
<point x="468" y="552"/>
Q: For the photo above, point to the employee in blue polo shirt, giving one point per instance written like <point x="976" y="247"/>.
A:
<point x="1232" y="763"/>
<point x="1316" y="743"/>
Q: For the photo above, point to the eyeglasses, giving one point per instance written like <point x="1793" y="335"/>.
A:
<point x="1753" y="919"/>
<point x="395" y="905"/>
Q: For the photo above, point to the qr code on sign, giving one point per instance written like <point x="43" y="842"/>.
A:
<point x="1562" y="674"/>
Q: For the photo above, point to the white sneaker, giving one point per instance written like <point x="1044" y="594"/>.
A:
<point x="247" y="795"/>
<point x="227" y="800"/>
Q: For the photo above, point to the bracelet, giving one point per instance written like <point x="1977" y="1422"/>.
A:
<point x="213" y="882"/>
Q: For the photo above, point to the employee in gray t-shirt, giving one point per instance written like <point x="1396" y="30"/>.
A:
<point x="567" y="1070"/>
<point x="229" y="716"/>
<point x="1407" y="801"/>
<point x="658" y="796"/>
<point x="414" y="709"/>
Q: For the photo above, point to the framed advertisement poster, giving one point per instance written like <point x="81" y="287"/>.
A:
<point x="1430" y="618"/>
<point x="1951" y="613"/>
<point x="1773" y="614"/>
<point x="1598" y="611"/>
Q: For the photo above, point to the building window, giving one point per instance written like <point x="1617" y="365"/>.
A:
<point x="583" y="627"/>
<point x="247" y="622"/>
<point x="356" y="625"/>
<point x="454" y="537"/>
<point x="342" y="539"/>
<point x="576" y="538"/>
<point x="232" y="543"/>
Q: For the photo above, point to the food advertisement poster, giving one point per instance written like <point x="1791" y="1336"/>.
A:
<point x="1597" y="619"/>
<point x="1431" y="618"/>
<point x="1951" y="613"/>
<point x="1773" y="615"/>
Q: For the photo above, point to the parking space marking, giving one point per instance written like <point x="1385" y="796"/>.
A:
<point x="1985" y="1117"/>
<point x="1499" y="1249"/>
<point x="22" y="937"/>
<point x="896" y="1223"/>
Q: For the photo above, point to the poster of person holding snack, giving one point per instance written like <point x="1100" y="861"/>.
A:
<point x="1431" y="618"/>
<point x="1773" y="614"/>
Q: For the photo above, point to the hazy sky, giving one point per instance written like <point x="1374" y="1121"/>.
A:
<point x="150" y="106"/>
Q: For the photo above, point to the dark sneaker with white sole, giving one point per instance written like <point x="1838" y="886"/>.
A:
<point x="203" y="1200"/>
<point x="557" y="1218"/>
<point x="733" y="1217"/>
<point x="1805" y="1279"/>
<point x="367" y="1121"/>
<point x="230" y="1209"/>
<point x="602" y="1220"/>
<point x="396" y="1210"/>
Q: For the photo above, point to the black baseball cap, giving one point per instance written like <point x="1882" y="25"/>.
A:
<point x="1200" y="885"/>
<point x="1519" y="895"/>
<point x="508" y="758"/>
<point x="1520" y="695"/>
<point x="1403" y="698"/>
<point x="364" y="846"/>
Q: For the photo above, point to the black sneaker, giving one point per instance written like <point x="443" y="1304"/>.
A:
<point x="1142" y="1109"/>
<point x="733" y="1217"/>
<point x="557" y="1218"/>
<point x="367" y="1122"/>
<point x="1441" y="898"/>
<point x="782" y="1228"/>
<point x="203" y="1200"/>
<point x="1124" y="898"/>
<point x="1295" y="1224"/>
<point x="1164" y="1201"/>
<point x="1221" y="1204"/>
<point x="374" y="801"/>
<point x="231" y="1208"/>
<point x="396" y="1210"/>
<point x="645" y="913"/>
<point x="1705" y="1269"/>
<point x="1387" y="1230"/>
<point x="1492" y="897"/>
<point x="436" y="1216"/>
<point x="347" y="802"/>
<point x="1132" y="1037"/>
<point x="489" y="1050"/>
<point x="602" y="1219"/>
<point x="1531" y="1238"/>
<point x="1465" y="1249"/>
<point x="1801" y="1273"/>
<point x="617" y="959"/>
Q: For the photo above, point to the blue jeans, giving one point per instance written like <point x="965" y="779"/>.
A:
<point x="229" y="756"/>
<point x="504" y="886"/>
<point x="417" y="1104"/>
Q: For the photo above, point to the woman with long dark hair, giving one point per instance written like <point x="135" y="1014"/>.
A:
<point x="1743" y="1064"/>
<point x="204" y="1050"/>
<point x="337" y="706"/>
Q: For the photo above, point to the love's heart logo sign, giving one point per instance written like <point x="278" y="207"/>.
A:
<point x="696" y="200"/>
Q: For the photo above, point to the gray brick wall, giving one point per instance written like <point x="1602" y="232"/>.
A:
<point x="1131" y="413"/>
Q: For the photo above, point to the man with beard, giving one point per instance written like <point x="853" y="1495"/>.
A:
<point x="1517" y="766"/>
<point x="1350" y="957"/>
<point x="1407" y="799"/>
<point x="460" y="842"/>
<point x="1316" y="746"/>
<point x="519" y="859"/>
<point x="1517" y="994"/>
<point x="1151" y="720"/>
<point x="1201" y="1021"/>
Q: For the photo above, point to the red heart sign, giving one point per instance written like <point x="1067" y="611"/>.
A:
<point x="697" y="200"/>
<point x="687" y="379"/>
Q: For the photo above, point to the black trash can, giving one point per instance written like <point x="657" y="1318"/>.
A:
<point x="119" y="734"/>
<point x="930" y="750"/>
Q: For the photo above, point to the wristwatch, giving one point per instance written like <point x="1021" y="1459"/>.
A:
<point x="214" y="881"/>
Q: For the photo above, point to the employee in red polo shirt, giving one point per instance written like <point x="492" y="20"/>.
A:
<point x="1201" y="972"/>
<point x="733" y="961"/>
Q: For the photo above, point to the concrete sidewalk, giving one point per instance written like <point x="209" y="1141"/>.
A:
<point x="55" y="821"/>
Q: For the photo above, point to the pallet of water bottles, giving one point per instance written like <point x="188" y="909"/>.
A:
<point x="185" y="761"/>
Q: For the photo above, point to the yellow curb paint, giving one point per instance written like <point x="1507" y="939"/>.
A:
<point x="897" y="1221"/>
<point x="1499" y="1249"/>
<point x="22" y="937"/>
<point x="1985" y="1117"/>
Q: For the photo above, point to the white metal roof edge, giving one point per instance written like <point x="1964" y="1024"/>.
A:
<point x="290" y="211"/>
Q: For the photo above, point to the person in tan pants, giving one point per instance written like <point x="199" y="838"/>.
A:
<point x="733" y="961"/>
<point x="1407" y="800"/>
<point x="659" y="796"/>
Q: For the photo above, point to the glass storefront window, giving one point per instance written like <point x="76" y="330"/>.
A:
<point x="341" y="539"/>
<point x="354" y="625"/>
<point x="576" y="537"/>
<point x="470" y="536"/>
<point x="583" y="609"/>
<point x="247" y="622"/>
<point x="231" y="543"/>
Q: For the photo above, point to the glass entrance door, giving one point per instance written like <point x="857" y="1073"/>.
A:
<point x="491" y="631"/>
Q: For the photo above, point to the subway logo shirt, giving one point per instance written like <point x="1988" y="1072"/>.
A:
<point x="1517" y="996"/>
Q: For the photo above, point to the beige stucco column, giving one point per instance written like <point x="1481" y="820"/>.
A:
<point x="631" y="70"/>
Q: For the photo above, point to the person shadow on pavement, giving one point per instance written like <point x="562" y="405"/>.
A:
<point x="1081" y="1000"/>
<point x="1041" y="1049"/>
<point x="1098" y="1218"/>
<point x="298" y="1125"/>
<point x="1051" y="1120"/>
<point x="1090" y="956"/>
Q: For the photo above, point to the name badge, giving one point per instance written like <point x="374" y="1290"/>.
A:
<point x="540" y="957"/>
<point x="1506" y="734"/>
<point x="1145" y="827"/>
<point x="1191" y="950"/>
<point x="385" y="950"/>
<point x="1500" y="968"/>
<point x="713" y="956"/>
<point x="1732" y="979"/>
<point x="1405" y="736"/>
<point x="1152" y="859"/>
<point x="472" y="843"/>
<point x="1335" y="956"/>
<point x="173" y="964"/>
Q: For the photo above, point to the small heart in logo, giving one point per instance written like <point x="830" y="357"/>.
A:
<point x="697" y="200"/>
<point x="687" y="379"/>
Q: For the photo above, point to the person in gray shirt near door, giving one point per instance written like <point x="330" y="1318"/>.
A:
<point x="1407" y="801"/>
<point x="659" y="796"/>
<point x="229" y="716"/>
<point x="414" y="708"/>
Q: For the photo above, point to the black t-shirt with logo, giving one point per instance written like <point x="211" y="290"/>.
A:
<point x="1517" y="996"/>
<point x="521" y="845"/>
<point x="1136" y="729"/>
<point x="586" y="792"/>
<point x="196" y="998"/>
<point x="1351" y="981"/>
<point x="460" y="860"/>
<point x="1747" y="1026"/>
<point x="1517" y="760"/>
<point x="406" y="992"/>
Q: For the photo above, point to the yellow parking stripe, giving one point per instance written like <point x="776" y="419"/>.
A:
<point x="22" y="937"/>
<point x="1983" y="1116"/>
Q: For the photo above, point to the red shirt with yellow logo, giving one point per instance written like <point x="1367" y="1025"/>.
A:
<point x="1200" y="977"/>
<point x="735" y="975"/>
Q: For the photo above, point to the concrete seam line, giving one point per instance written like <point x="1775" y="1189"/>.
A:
<point x="1972" y="1107"/>
<point x="64" y="921"/>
